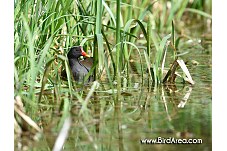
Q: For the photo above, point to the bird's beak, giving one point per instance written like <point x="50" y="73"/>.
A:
<point x="84" y="53"/>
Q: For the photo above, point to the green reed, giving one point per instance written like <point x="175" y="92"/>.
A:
<point x="110" y="30"/>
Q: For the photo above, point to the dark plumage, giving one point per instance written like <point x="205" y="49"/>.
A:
<point x="79" y="68"/>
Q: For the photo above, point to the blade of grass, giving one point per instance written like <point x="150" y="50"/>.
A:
<point x="185" y="70"/>
<point x="99" y="50"/>
<point x="118" y="48"/>
<point x="109" y="11"/>
<point x="33" y="71"/>
<point x="45" y="75"/>
<point x="85" y="102"/>
<point x="199" y="12"/>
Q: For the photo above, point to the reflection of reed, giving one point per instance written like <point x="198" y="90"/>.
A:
<point x="182" y="103"/>
<point x="165" y="104"/>
<point x="89" y="136"/>
<point x="118" y="118"/>
<point x="97" y="110"/>
<point x="185" y="98"/>
<point x="63" y="135"/>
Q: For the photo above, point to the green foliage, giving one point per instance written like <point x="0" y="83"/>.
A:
<point x="110" y="30"/>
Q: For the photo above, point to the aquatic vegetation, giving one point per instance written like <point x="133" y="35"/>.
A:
<point x="125" y="37"/>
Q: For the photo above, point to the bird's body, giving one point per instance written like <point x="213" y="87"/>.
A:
<point x="80" y="68"/>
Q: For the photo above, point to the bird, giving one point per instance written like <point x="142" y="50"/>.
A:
<point x="80" y="68"/>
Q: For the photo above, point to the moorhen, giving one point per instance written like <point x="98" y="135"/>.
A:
<point x="79" y="68"/>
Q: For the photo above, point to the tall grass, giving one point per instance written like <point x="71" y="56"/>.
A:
<point x="118" y="47"/>
<point x="44" y="29"/>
